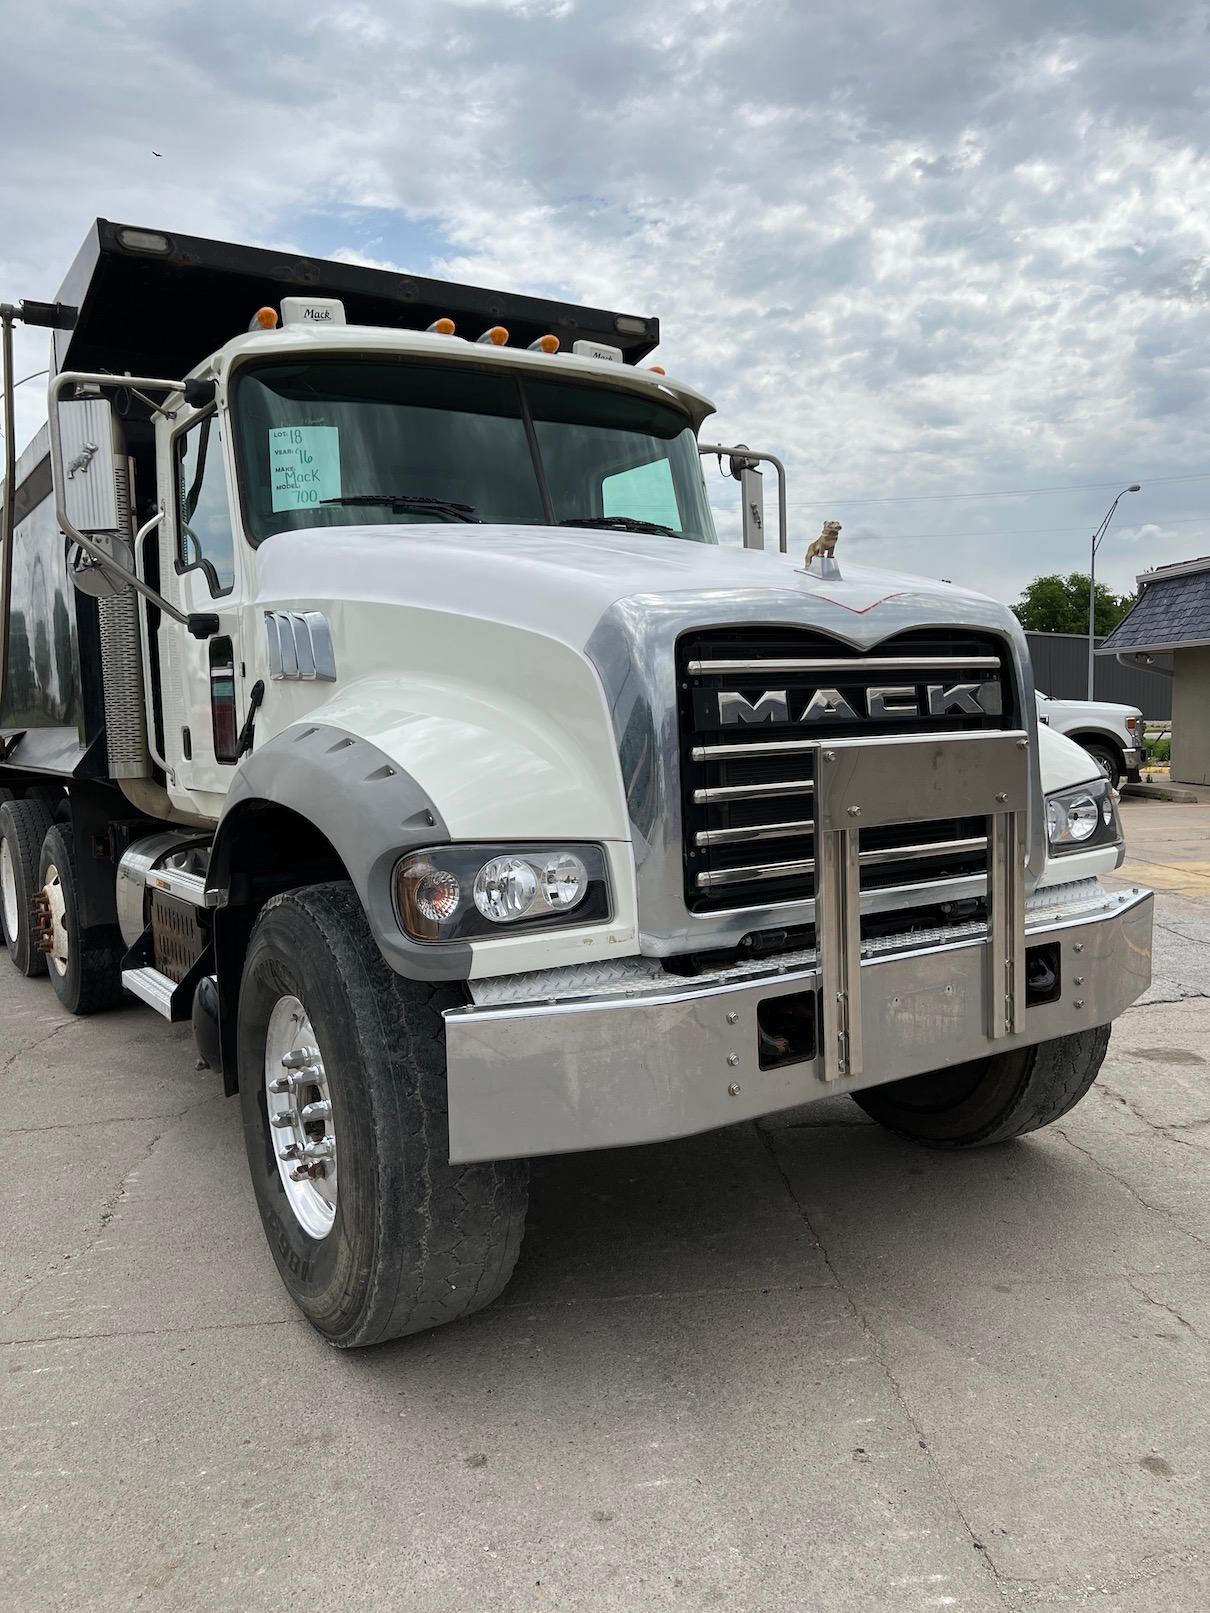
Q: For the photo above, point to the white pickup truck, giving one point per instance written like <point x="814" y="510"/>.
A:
<point x="1111" y="734"/>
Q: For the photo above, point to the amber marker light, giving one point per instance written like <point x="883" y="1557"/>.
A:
<point x="264" y="319"/>
<point x="545" y="344"/>
<point x="442" y="327"/>
<point x="657" y="369"/>
<point x="495" y="337"/>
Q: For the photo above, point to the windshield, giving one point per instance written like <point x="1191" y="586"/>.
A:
<point x="333" y="442"/>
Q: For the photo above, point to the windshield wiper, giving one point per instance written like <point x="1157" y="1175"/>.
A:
<point x="621" y="523"/>
<point x="407" y="501"/>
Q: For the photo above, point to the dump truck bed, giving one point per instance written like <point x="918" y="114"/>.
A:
<point x="152" y="302"/>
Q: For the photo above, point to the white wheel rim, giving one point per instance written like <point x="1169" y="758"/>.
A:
<point x="301" y="1125"/>
<point x="8" y="891"/>
<point x="57" y="912"/>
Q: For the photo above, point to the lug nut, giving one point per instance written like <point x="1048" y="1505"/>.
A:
<point x="282" y="1083"/>
<point x="316" y="1111"/>
<point x="290" y="1151"/>
<point x="299" y="1057"/>
<point x="281" y="1121"/>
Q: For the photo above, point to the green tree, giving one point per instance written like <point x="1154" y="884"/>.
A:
<point x="1057" y="604"/>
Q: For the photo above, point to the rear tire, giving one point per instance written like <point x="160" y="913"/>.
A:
<point x="990" y="1100"/>
<point x="410" y="1241"/>
<point x="86" y="973"/>
<point x="23" y="826"/>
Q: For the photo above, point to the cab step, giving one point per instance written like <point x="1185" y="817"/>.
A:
<point x="157" y="991"/>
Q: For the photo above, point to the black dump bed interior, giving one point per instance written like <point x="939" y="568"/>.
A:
<point x="154" y="303"/>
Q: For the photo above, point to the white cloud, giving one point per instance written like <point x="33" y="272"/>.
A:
<point x="912" y="249"/>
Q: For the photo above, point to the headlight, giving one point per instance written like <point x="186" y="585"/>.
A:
<point x="449" y="893"/>
<point x="1082" y="818"/>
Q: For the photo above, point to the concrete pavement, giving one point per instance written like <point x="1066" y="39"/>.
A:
<point x="796" y="1366"/>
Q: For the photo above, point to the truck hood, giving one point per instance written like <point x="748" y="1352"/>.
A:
<point x="1063" y="762"/>
<point x="524" y="677"/>
<point x="1088" y="710"/>
<point x="561" y="581"/>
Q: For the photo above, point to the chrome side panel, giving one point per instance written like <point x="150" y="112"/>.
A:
<point x="633" y="651"/>
<point x="142" y="864"/>
<point x="299" y="645"/>
<point x="646" y="1064"/>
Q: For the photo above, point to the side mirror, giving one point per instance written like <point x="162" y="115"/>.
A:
<point x="87" y="475"/>
<point x="91" y="476"/>
<point x="93" y="484"/>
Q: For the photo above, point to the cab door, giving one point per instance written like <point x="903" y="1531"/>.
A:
<point x="201" y="680"/>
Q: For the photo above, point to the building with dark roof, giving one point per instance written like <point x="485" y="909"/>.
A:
<point x="1172" y="614"/>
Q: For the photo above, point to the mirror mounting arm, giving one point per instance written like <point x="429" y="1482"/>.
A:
<point x="744" y="458"/>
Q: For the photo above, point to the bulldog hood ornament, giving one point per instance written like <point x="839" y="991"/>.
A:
<point x="824" y="550"/>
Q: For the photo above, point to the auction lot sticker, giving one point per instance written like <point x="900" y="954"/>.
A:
<point x="304" y="465"/>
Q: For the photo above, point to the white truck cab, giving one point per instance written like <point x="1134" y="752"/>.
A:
<point x="1111" y="734"/>
<point x="377" y="696"/>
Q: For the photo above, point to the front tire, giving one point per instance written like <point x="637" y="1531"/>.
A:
<point x="23" y="826"/>
<point x="1109" y="760"/>
<point x="379" y="1235"/>
<point x="993" y="1099"/>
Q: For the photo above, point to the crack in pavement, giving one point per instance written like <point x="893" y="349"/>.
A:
<point x="1197" y="940"/>
<point x="109" y="1208"/>
<point x="1159" y="1209"/>
<point x="32" y="1047"/>
<point x="154" y="1332"/>
<point x="110" y="1120"/>
<point x="1166" y="1131"/>
<point x="1162" y="1305"/>
<point x="879" y="1355"/>
<point x="1185" y="994"/>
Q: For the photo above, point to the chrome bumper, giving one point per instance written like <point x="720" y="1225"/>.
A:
<point x="1133" y="759"/>
<point x="589" y="1062"/>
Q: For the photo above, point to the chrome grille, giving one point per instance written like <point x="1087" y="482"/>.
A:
<point x="748" y="784"/>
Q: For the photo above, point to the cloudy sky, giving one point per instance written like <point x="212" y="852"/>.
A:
<point x="926" y="252"/>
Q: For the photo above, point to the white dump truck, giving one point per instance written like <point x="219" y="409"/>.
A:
<point x="377" y="696"/>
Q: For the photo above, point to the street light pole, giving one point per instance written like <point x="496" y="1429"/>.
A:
<point x="1092" y="585"/>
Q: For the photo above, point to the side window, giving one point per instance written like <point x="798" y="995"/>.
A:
<point x="204" y="536"/>
<point x="645" y="493"/>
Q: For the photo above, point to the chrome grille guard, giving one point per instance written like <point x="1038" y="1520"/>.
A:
<point x="870" y="783"/>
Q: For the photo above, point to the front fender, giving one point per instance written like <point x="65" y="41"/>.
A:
<point x="370" y="810"/>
